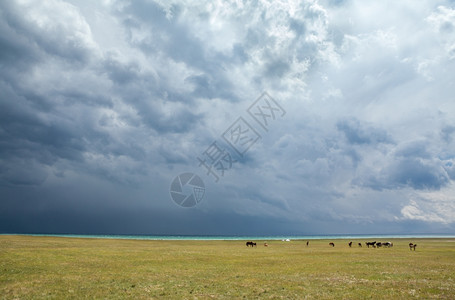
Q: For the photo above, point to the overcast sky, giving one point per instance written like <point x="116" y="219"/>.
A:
<point x="104" y="103"/>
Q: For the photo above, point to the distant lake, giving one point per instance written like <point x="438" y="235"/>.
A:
<point x="228" y="238"/>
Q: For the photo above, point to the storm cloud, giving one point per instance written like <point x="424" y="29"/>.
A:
<point x="102" y="104"/>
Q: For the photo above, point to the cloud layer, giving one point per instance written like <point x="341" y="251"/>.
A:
<point x="103" y="104"/>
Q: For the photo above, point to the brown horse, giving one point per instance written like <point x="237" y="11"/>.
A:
<point x="371" y="244"/>
<point x="248" y="244"/>
<point x="331" y="244"/>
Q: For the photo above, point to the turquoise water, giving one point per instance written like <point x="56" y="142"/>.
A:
<point x="222" y="238"/>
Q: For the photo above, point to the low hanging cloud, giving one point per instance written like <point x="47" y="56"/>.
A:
<point x="436" y="207"/>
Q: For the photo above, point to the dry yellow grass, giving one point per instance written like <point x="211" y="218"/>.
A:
<point x="56" y="267"/>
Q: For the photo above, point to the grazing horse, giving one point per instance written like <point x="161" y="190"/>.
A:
<point x="360" y="244"/>
<point x="387" y="244"/>
<point x="331" y="244"/>
<point x="266" y="245"/>
<point x="378" y="244"/>
<point x="250" y="244"/>
<point x="371" y="244"/>
<point x="412" y="246"/>
<point x="307" y="243"/>
<point x="350" y="244"/>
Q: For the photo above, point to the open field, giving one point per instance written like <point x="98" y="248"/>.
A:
<point x="56" y="267"/>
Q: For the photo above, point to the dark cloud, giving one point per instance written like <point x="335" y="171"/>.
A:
<point x="297" y="25"/>
<point x="447" y="133"/>
<point x="417" y="149"/>
<point x="357" y="133"/>
<point x="276" y="69"/>
<point x="171" y="35"/>
<point x="239" y="55"/>
<point x="22" y="172"/>
<point x="26" y="41"/>
<point x="412" y="166"/>
<point x="121" y="73"/>
<point x="418" y="174"/>
<point x="450" y="169"/>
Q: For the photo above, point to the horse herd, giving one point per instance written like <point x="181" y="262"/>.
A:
<point x="378" y="244"/>
<point x="368" y="244"/>
<point x="374" y="244"/>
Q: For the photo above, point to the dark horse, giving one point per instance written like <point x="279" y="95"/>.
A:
<point x="350" y="244"/>
<point x="412" y="246"/>
<point x="331" y="244"/>
<point x="371" y="244"/>
<point x="250" y="244"/>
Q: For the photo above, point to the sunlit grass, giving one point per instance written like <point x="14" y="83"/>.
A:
<point x="55" y="267"/>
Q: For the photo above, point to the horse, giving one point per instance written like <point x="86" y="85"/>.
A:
<point x="250" y="243"/>
<point x="360" y="244"/>
<point x="371" y="244"/>
<point x="387" y="244"/>
<point x="331" y="244"/>
<point x="266" y="245"/>
<point x="350" y="244"/>
<point x="412" y="246"/>
<point x="307" y="243"/>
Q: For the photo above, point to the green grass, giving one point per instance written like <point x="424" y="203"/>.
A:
<point x="56" y="267"/>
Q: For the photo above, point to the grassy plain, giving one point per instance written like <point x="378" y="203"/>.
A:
<point x="57" y="267"/>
